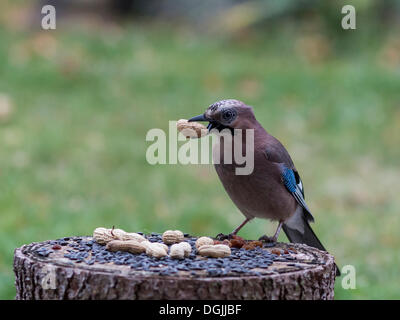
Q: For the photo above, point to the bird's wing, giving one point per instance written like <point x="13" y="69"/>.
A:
<point x="293" y="184"/>
<point x="276" y="152"/>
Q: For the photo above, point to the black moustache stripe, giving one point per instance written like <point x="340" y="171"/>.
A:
<point x="218" y="126"/>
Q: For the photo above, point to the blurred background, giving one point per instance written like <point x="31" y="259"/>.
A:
<point x="76" y="104"/>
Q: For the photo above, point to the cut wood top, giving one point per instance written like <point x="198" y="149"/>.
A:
<point x="82" y="253"/>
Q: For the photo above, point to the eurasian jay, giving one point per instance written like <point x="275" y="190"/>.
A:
<point x="273" y="190"/>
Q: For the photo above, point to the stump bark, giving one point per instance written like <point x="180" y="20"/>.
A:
<point x="310" y="275"/>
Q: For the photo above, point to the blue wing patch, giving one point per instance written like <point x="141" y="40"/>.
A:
<point x="296" y="189"/>
<point x="289" y="179"/>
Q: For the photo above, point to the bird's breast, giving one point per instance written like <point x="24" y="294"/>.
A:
<point x="259" y="194"/>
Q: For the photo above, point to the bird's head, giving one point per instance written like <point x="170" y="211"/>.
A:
<point x="230" y="113"/>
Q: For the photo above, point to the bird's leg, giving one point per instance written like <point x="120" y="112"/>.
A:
<point x="275" y="237"/>
<point x="234" y="232"/>
<point x="222" y="236"/>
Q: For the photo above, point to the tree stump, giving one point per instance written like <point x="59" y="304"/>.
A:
<point x="60" y="269"/>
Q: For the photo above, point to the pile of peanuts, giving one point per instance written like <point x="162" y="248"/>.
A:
<point x="120" y="240"/>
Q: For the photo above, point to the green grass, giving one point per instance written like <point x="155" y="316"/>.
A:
<point x="72" y="154"/>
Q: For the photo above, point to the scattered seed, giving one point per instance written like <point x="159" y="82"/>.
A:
<point x="276" y="251"/>
<point x="245" y="256"/>
<point x="237" y="243"/>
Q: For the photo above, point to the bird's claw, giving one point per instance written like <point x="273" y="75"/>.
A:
<point x="267" y="239"/>
<point x="221" y="236"/>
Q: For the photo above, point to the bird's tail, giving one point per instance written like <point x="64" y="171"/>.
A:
<point x="306" y="235"/>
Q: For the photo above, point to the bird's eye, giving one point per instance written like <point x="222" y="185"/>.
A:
<point x="228" y="115"/>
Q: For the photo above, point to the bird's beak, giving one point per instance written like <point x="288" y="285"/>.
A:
<point x="202" y="117"/>
<point x="198" y="118"/>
